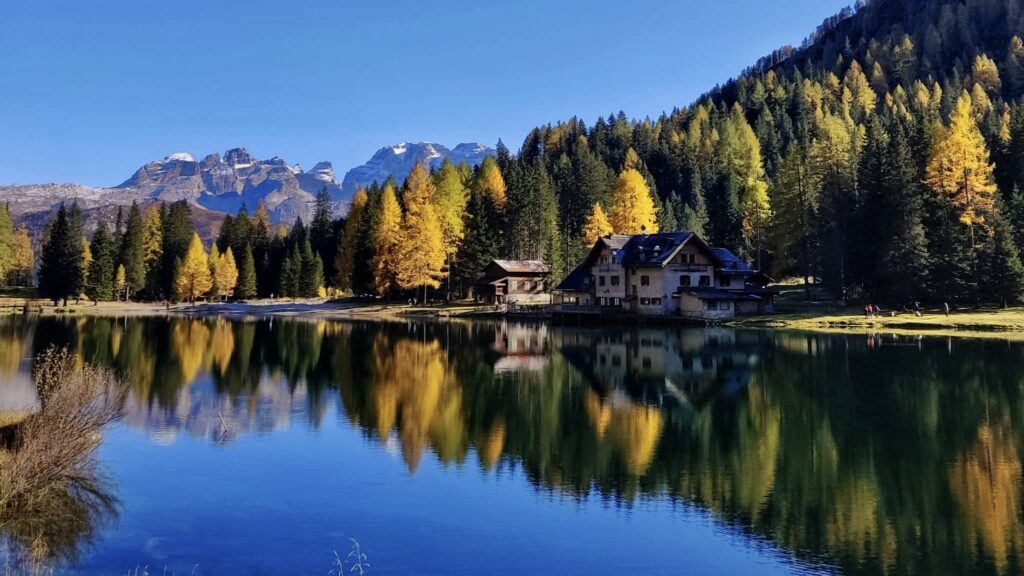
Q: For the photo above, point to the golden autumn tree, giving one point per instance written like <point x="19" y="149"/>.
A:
<point x="120" y="282"/>
<point x="596" y="225"/>
<point x="421" y="249"/>
<point x="632" y="209"/>
<point x="489" y="181"/>
<point x="152" y="237"/>
<point x="22" y="258"/>
<point x="344" y="260"/>
<point x="225" y="274"/>
<point x="386" y="241"/>
<point x="959" y="171"/>
<point x="192" y="278"/>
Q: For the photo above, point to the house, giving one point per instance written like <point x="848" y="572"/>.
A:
<point x="513" y="282"/>
<point x="667" y="274"/>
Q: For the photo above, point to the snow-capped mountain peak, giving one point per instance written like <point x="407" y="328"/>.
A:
<point x="398" y="161"/>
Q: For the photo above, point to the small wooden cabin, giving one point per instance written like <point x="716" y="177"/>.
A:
<point x="512" y="282"/>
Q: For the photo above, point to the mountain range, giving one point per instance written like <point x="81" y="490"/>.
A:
<point x="225" y="183"/>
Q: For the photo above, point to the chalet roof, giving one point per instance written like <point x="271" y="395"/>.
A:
<point x="523" y="266"/>
<point x="653" y="249"/>
<point x="729" y="262"/>
<point x="577" y="281"/>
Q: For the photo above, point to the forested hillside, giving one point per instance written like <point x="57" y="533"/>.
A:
<point x="883" y="159"/>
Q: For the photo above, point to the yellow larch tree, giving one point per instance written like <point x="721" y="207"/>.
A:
<point x="632" y="209"/>
<point x="345" y="258"/>
<point x="596" y="225"/>
<point x="421" y="249"/>
<point x="152" y="237"/>
<point x="387" y="239"/>
<point x="120" y="282"/>
<point x="22" y="257"/>
<point x="225" y="272"/>
<point x="986" y="73"/>
<point x="192" y="278"/>
<point x="490" y="181"/>
<point x="959" y="171"/>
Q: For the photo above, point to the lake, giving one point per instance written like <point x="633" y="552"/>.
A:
<point x="267" y="446"/>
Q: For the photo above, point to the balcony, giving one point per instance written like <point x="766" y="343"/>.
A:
<point x="691" y="268"/>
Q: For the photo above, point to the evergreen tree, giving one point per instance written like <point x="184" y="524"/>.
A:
<point x="291" y="274"/>
<point x="245" y="286"/>
<point x="796" y="222"/>
<point x="311" y="272"/>
<point x="100" y="283"/>
<point x="176" y="235"/>
<point x="348" y="242"/>
<point x="133" y="252"/>
<point x="321" y="232"/>
<point x="61" y="271"/>
<point x="483" y="241"/>
<point x="1002" y="273"/>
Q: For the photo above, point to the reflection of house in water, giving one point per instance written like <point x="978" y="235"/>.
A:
<point x="521" y="347"/>
<point x="658" y="367"/>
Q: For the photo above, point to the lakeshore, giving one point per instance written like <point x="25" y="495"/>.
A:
<point x="1004" y="323"/>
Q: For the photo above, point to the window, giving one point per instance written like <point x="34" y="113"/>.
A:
<point x="526" y="285"/>
<point x="725" y="305"/>
<point x="724" y="281"/>
<point x="615" y="280"/>
<point x="600" y="280"/>
<point x="646" y="362"/>
<point x="712" y="305"/>
<point x="705" y="281"/>
<point x="656" y="301"/>
<point x="616" y="301"/>
<point x="684" y="281"/>
<point x="691" y="258"/>
<point x="634" y="289"/>
<point x="603" y="301"/>
<point x="645" y="280"/>
<point x="645" y="301"/>
<point x="511" y="285"/>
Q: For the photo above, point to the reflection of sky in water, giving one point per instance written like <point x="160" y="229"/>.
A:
<point x="280" y="503"/>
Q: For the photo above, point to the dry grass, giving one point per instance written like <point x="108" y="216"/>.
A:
<point x="52" y="496"/>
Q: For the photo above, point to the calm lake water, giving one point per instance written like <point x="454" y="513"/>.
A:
<point x="261" y="447"/>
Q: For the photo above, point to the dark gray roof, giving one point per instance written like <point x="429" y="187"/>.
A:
<point x="729" y="262"/>
<point x="653" y="249"/>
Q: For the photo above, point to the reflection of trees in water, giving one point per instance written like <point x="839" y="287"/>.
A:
<point x="880" y="455"/>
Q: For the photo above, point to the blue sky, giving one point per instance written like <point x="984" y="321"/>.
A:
<point x="89" y="91"/>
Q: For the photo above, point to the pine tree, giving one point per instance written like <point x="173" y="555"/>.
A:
<point x="667" y="215"/>
<point x="387" y="242"/>
<point x="421" y="250"/>
<point x="483" y="241"/>
<point x="631" y="209"/>
<point x="596" y="226"/>
<point x="321" y="232"/>
<point x="61" y="271"/>
<point x="1002" y="273"/>
<point x="133" y="252"/>
<point x="291" y="274"/>
<point x="212" y="259"/>
<point x="348" y="242"/>
<point x="245" y="286"/>
<point x="100" y="284"/>
<point x="192" y="274"/>
<point x="797" y="201"/>
<point x="695" y="212"/>
<point x="311" y="272"/>
<point x="176" y="234"/>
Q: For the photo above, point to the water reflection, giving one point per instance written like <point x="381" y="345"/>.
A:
<point x="873" y="454"/>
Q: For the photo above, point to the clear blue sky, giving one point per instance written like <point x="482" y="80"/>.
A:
<point x="91" y="90"/>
